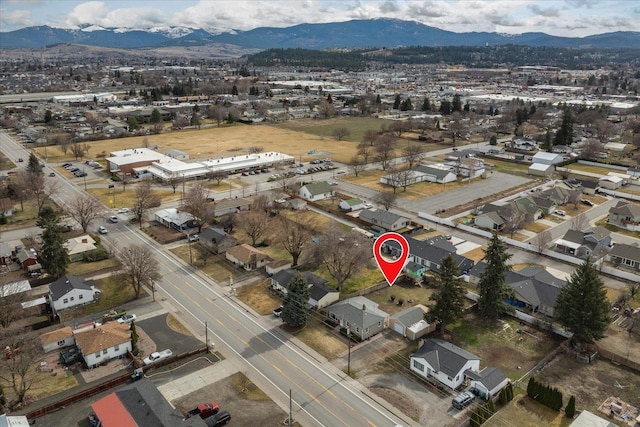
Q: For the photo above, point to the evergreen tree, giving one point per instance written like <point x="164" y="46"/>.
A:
<point x="426" y="105"/>
<point x="396" y="102"/>
<point x="564" y="135"/>
<point x="329" y="99"/>
<point x="134" y="335"/>
<point x="548" y="146"/>
<point x="570" y="409"/>
<point x="493" y="140"/>
<point x="294" y="310"/>
<point x="234" y="90"/>
<point x="449" y="294"/>
<point x="48" y="116"/>
<point x="445" y="107"/>
<point x="493" y="290"/>
<point x="509" y="389"/>
<point x="54" y="256"/>
<point x="33" y="166"/>
<point x="582" y="305"/>
<point x="156" y="116"/>
<point x="456" y="104"/>
<point x="502" y="397"/>
<point x="378" y="99"/>
<point x="133" y="124"/>
<point x="406" y="105"/>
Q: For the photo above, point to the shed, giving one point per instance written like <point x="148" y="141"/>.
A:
<point x="541" y="169"/>
<point x="547" y="158"/>
<point x="488" y="382"/>
<point x="410" y="322"/>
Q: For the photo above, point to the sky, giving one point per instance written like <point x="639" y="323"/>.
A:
<point x="570" y="18"/>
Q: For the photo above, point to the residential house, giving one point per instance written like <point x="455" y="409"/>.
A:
<point x="320" y="295"/>
<point x="531" y="209"/>
<point x="14" y="421"/>
<point x="384" y="219"/>
<point x="559" y="195"/>
<point x="438" y="173"/>
<point x="429" y="253"/>
<point x="490" y="221"/>
<point x="27" y="258"/>
<point x="69" y="291"/>
<point x="445" y="362"/>
<point x="140" y="404"/>
<point x="217" y="239"/>
<point x="55" y="340"/>
<point x="247" y="257"/>
<point x="535" y="289"/>
<point x="6" y="206"/>
<point x="488" y="382"/>
<point x="467" y="167"/>
<point x="524" y="144"/>
<point x="415" y="270"/>
<point x="230" y="206"/>
<point x="594" y="243"/>
<point x="103" y="343"/>
<point x="316" y="191"/>
<point x="360" y="315"/>
<point x="547" y="206"/>
<point x="278" y="265"/>
<point x="410" y="322"/>
<point x="78" y="247"/>
<point x="351" y="205"/>
<point x="625" y="215"/>
<point x="627" y="256"/>
<point x="589" y="187"/>
<point x="547" y="158"/>
<point x="173" y="218"/>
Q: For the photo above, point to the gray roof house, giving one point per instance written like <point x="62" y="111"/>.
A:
<point x="217" y="239"/>
<point x="445" y="362"/>
<point x="410" y="322"/>
<point x="594" y="242"/>
<point x="626" y="256"/>
<point x="625" y="215"/>
<point x="490" y="221"/>
<point x="385" y="219"/>
<point x="360" y="314"/>
<point x="535" y="289"/>
<point x="69" y="291"/>
<point x="430" y="252"/>
<point x="488" y="382"/>
<point x="316" y="191"/>
<point x="320" y="295"/>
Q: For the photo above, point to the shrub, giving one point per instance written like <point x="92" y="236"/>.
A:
<point x="96" y="255"/>
<point x="570" y="409"/>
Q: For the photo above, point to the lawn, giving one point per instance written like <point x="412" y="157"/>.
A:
<point x="528" y="413"/>
<point x="258" y="297"/>
<point x="20" y="218"/>
<point x="319" y="337"/>
<point x="536" y="227"/>
<point x="324" y="128"/>
<point x="216" y="267"/>
<point x="118" y="198"/>
<point x="407" y="292"/>
<point x="115" y="291"/>
<point x="592" y="169"/>
<point x="500" y="344"/>
<point x="82" y="268"/>
<point x="368" y="276"/>
<point x="509" y="167"/>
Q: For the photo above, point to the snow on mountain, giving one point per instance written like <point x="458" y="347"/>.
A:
<point x="172" y="32"/>
<point x="92" y="27"/>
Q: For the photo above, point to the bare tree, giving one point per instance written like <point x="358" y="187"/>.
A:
<point x="125" y="180"/>
<point x="384" y="151"/>
<point x="590" y="149"/>
<point x="228" y="222"/>
<point x="580" y="222"/>
<point x="294" y="235"/>
<point x="326" y="110"/>
<point x="84" y="209"/>
<point x="144" y="199"/>
<point x="575" y="196"/>
<point x="93" y="120"/>
<point x="19" y="370"/>
<point x="63" y="141"/>
<point x="20" y="185"/>
<point x="216" y="112"/>
<point x="41" y="189"/>
<point x="394" y="178"/>
<point x="140" y="267"/>
<point x="195" y="202"/>
<point x="77" y="150"/>
<point x="370" y="137"/>
<point x="218" y="176"/>
<point x="181" y="121"/>
<point x="516" y="221"/>
<point x="255" y="224"/>
<point x="174" y="181"/>
<point x="255" y="150"/>
<point x="412" y="154"/>
<point x="365" y="150"/>
<point x="405" y="174"/>
<point x="387" y="199"/>
<point x="343" y="254"/>
<point x="357" y="164"/>
<point x="542" y="240"/>
<point x="205" y="250"/>
<point x="340" y="133"/>
<point x="11" y="295"/>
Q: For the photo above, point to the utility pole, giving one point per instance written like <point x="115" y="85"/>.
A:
<point x="206" y="335"/>
<point x="290" y="409"/>
<point x="349" y="356"/>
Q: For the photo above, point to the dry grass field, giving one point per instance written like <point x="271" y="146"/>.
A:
<point x="224" y="141"/>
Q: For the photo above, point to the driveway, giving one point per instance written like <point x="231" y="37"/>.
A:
<point x="159" y="331"/>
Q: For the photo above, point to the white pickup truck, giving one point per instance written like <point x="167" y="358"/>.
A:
<point x="157" y="356"/>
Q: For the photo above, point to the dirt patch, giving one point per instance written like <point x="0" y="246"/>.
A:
<point x="258" y="297"/>
<point x="399" y="400"/>
<point x="590" y="383"/>
<point x="244" y="407"/>
<point x="162" y="234"/>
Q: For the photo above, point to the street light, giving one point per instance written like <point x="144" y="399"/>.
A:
<point x="190" y="253"/>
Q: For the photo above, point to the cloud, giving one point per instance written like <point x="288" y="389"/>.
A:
<point x="98" y="13"/>
<point x="548" y="13"/>
<point x="15" y="18"/>
<point x="389" y="7"/>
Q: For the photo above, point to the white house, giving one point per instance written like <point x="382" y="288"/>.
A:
<point x="69" y="291"/>
<point x="55" y="340"/>
<point x="351" y="205"/>
<point x="444" y="361"/>
<point x="104" y="342"/>
<point x="77" y="247"/>
<point x="488" y="382"/>
<point x="247" y="257"/>
<point x="316" y="191"/>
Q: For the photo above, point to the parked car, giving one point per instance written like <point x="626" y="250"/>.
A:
<point x="123" y="210"/>
<point x="193" y="237"/>
<point x="64" y="165"/>
<point x="560" y="212"/>
<point x="127" y="318"/>
<point x="204" y="410"/>
<point x="586" y="202"/>
<point x="278" y="311"/>
<point x="463" y="400"/>
<point x="102" y="230"/>
<point x="20" y="160"/>
<point x="157" y="356"/>
<point x="220" y="419"/>
<point x="368" y="205"/>
<point x="113" y="219"/>
<point x="52" y="174"/>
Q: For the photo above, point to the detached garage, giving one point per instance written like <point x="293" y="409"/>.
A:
<point x="541" y="169"/>
<point x="410" y="323"/>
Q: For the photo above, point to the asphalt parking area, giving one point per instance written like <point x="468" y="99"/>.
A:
<point x="165" y="337"/>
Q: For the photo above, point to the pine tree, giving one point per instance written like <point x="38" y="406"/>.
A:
<point x="570" y="409"/>
<point x="54" y="256"/>
<point x="493" y="290"/>
<point x="502" y="397"/>
<point x="449" y="295"/>
<point x="33" y="166"/>
<point x="426" y="105"/>
<point x="134" y="335"/>
<point x="396" y="102"/>
<point x="456" y="104"/>
<point x="582" y="305"/>
<point x="294" y="310"/>
<point x="564" y="134"/>
<point x="509" y="389"/>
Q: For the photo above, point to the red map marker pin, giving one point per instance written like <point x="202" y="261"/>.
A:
<point x="391" y="269"/>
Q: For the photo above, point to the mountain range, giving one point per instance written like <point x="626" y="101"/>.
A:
<point x="350" y="34"/>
